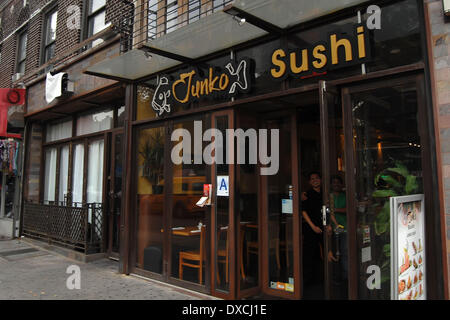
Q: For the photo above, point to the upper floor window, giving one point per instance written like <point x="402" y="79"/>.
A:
<point x="50" y="35"/>
<point x="22" y="52"/>
<point x="152" y="18"/>
<point x="194" y="10"/>
<point x="171" y="15"/>
<point x="96" y="19"/>
<point x="219" y="4"/>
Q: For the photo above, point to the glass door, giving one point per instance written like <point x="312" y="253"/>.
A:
<point x="115" y="194"/>
<point x="280" y="241"/>
<point x="387" y="133"/>
<point x="223" y="195"/>
<point x="334" y="249"/>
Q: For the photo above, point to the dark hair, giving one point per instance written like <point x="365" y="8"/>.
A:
<point x="314" y="172"/>
<point x="337" y="178"/>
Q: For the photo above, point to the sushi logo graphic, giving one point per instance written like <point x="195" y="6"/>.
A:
<point x="74" y="280"/>
<point x="161" y="97"/>
<point x="196" y="84"/>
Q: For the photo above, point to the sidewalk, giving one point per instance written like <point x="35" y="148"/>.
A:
<point x="27" y="272"/>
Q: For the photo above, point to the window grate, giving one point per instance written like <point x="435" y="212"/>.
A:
<point x="147" y="20"/>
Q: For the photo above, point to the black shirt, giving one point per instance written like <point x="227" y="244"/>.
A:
<point x="313" y="207"/>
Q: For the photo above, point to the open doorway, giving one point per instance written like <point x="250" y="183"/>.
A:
<point x="300" y="255"/>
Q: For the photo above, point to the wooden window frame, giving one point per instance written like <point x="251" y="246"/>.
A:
<point x="45" y="45"/>
<point x="19" y="63"/>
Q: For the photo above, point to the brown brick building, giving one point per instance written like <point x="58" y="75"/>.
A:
<point x="367" y="106"/>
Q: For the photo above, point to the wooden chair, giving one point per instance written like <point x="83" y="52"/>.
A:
<point x="194" y="259"/>
<point x="274" y="243"/>
<point x="222" y="254"/>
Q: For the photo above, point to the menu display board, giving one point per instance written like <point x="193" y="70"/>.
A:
<point x="408" y="280"/>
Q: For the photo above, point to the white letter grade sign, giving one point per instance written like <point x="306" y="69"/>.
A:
<point x="223" y="186"/>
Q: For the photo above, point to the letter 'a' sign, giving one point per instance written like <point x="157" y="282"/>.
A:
<point x="223" y="186"/>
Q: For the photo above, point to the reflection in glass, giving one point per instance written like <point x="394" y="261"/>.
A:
<point x="248" y="252"/>
<point x="388" y="163"/>
<point x="150" y="199"/>
<point x="63" y="174"/>
<point x="222" y="218"/>
<point x="94" y="122"/>
<point x="94" y="191"/>
<point x="58" y="130"/>
<point x="78" y="169"/>
<point x="280" y="221"/>
<point x="121" y="116"/>
<point x="188" y="235"/>
<point x="50" y="174"/>
<point x="397" y="43"/>
<point x="118" y="169"/>
<point x="144" y="98"/>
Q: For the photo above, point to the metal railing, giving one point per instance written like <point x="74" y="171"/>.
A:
<point x="79" y="227"/>
<point x="145" y="20"/>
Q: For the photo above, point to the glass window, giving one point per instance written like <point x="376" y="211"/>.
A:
<point x="22" y="53"/>
<point x="194" y="10"/>
<point x="218" y="5"/>
<point x="144" y="98"/>
<point x="95" y="122"/>
<point x="248" y="212"/>
<point x="189" y="224"/>
<point x="58" y="131"/>
<point x="397" y="43"/>
<point x="96" y="19"/>
<point x="94" y="191"/>
<point x="222" y="216"/>
<point x="50" y="35"/>
<point x="388" y="163"/>
<point x="50" y="175"/>
<point x="95" y="5"/>
<point x="171" y="15"/>
<point x="63" y="174"/>
<point x="150" y="198"/>
<point x="152" y="18"/>
<point x="121" y="116"/>
<point x="280" y="222"/>
<point x="77" y="174"/>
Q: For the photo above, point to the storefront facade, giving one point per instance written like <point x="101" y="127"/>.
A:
<point x="337" y="95"/>
<point x="250" y="113"/>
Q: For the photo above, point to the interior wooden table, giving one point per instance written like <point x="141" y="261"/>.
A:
<point x="185" y="231"/>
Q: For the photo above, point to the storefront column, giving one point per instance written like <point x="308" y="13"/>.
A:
<point x="125" y="223"/>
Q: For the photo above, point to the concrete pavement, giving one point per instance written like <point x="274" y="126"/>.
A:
<point x="30" y="273"/>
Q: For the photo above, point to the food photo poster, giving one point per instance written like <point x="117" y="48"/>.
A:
<point x="408" y="248"/>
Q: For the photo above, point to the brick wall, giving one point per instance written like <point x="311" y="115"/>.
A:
<point x="14" y="15"/>
<point x="440" y="67"/>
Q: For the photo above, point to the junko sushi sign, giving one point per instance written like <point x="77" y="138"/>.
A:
<point x="201" y="83"/>
<point x="408" y="281"/>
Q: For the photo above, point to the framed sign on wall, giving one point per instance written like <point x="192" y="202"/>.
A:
<point x="408" y="280"/>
